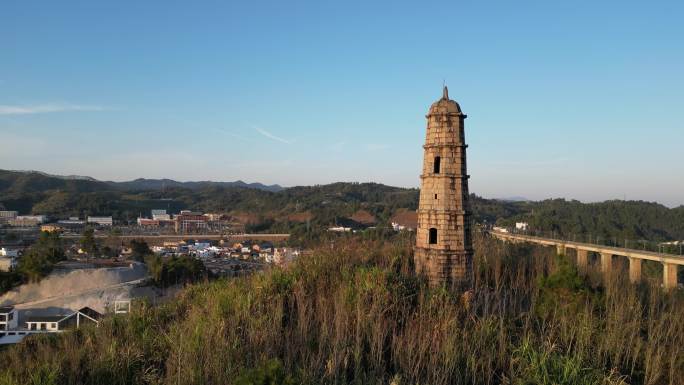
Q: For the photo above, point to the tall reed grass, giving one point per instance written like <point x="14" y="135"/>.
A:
<point x="356" y="314"/>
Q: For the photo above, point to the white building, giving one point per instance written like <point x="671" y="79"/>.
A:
<point x="71" y="222"/>
<point x="340" y="229"/>
<point x="60" y="322"/>
<point x="26" y="220"/>
<point x="48" y="323"/>
<point x="8" y="318"/>
<point x="37" y="218"/>
<point x="202" y="245"/>
<point x="522" y="226"/>
<point x="101" y="221"/>
<point x="4" y="214"/>
<point x="10" y="333"/>
<point x="397" y="226"/>
<point x="11" y="253"/>
<point x="160" y="215"/>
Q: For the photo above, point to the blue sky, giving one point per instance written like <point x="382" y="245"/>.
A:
<point x="565" y="99"/>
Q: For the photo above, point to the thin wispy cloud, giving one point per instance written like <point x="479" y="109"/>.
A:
<point x="234" y="135"/>
<point x="46" y="108"/>
<point x="271" y="136"/>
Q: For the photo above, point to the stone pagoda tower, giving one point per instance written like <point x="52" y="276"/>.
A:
<point x="444" y="249"/>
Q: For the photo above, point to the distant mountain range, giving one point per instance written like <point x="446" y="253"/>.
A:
<point x="147" y="184"/>
<point x="160" y="184"/>
<point x="65" y="177"/>
<point x="277" y="209"/>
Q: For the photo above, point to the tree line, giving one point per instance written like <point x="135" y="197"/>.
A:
<point x="326" y="205"/>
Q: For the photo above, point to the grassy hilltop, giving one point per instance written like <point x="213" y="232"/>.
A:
<point x="356" y="314"/>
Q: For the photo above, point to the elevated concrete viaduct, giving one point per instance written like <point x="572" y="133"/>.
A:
<point x="635" y="257"/>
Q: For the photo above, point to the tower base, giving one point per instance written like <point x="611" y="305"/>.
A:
<point x="444" y="267"/>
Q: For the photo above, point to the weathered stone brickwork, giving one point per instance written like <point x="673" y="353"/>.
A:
<point x="443" y="242"/>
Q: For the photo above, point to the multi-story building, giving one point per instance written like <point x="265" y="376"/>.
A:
<point x="160" y="215"/>
<point x="190" y="222"/>
<point x="7" y="215"/>
<point x="72" y="224"/>
<point x="101" y="221"/>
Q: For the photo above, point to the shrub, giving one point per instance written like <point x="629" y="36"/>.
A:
<point x="269" y="373"/>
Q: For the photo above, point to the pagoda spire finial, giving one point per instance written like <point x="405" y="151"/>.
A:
<point x="445" y="93"/>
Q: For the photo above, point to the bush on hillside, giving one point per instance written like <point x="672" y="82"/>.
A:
<point x="269" y="373"/>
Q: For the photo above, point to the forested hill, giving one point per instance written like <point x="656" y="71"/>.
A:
<point x="161" y="184"/>
<point x="323" y="205"/>
<point x="632" y="220"/>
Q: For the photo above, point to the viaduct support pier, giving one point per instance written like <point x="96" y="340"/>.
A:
<point x="635" y="257"/>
